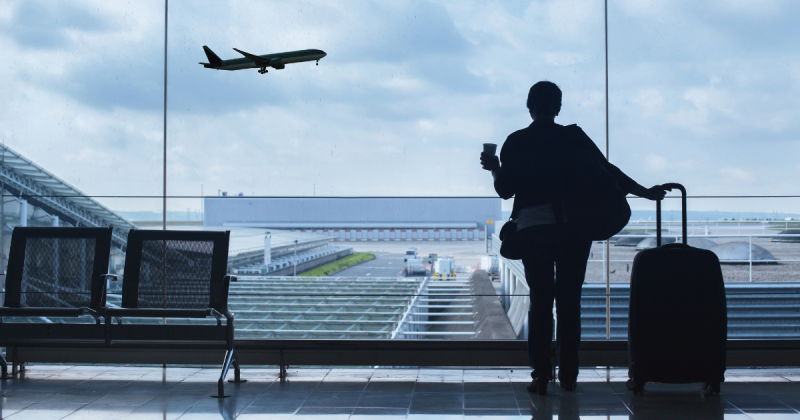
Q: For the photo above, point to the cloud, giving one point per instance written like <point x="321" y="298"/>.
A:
<point x="651" y="102"/>
<point x="657" y="163"/>
<point x="737" y="175"/>
<point x="396" y="32"/>
<point x="574" y="18"/>
<point x="51" y="25"/>
<point x="408" y="91"/>
<point x="564" y="58"/>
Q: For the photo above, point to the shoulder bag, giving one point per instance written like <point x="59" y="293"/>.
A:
<point x="510" y="248"/>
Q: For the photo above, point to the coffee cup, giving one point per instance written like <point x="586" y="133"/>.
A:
<point x="489" y="148"/>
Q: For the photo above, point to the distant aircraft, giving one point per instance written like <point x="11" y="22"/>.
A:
<point x="252" y="61"/>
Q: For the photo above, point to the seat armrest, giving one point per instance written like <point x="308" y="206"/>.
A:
<point x="92" y="312"/>
<point x="227" y="314"/>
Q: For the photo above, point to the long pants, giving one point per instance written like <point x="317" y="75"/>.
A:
<point x="555" y="270"/>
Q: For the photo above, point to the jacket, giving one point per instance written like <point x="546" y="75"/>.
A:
<point x="534" y="160"/>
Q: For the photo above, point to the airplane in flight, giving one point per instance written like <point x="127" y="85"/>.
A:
<point x="261" y="62"/>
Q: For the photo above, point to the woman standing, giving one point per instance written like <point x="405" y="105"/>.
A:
<point x="533" y="164"/>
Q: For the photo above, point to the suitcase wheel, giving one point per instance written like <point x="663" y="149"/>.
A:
<point x="712" y="388"/>
<point x="638" y="389"/>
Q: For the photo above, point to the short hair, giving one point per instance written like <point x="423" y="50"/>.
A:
<point x="545" y="97"/>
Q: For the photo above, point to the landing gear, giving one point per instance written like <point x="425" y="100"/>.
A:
<point x="263" y="70"/>
<point x="317" y="62"/>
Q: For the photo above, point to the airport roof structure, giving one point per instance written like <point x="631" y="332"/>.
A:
<point x="742" y="252"/>
<point x="795" y="236"/>
<point x="347" y="307"/>
<point x="29" y="181"/>
<point x="344" y="307"/>
<point x="247" y="244"/>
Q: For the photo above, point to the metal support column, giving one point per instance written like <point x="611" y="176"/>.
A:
<point x="606" y="259"/>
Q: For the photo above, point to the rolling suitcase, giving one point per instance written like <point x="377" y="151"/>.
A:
<point x="677" y="320"/>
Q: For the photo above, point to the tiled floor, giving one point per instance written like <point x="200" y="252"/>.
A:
<point x="107" y="392"/>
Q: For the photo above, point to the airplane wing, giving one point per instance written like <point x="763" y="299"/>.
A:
<point x="257" y="59"/>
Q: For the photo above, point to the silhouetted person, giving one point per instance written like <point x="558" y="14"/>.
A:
<point x="530" y="174"/>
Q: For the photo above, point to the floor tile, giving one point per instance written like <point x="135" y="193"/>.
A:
<point x="355" y="386"/>
<point x="493" y="414"/>
<point x="332" y="399"/>
<point x="327" y="413"/>
<point x="392" y="386"/>
<point x="472" y="387"/>
<point x="372" y="413"/>
<point x="385" y="400"/>
<point x="755" y="402"/>
<point x="437" y="403"/>
<point x="773" y="415"/>
<point x="184" y="393"/>
<point x="439" y="387"/>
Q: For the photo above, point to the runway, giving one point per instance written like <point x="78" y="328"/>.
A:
<point x="384" y="265"/>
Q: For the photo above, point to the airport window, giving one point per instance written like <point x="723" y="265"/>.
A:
<point x="339" y="143"/>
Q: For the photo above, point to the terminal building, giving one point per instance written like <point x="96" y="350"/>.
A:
<point x="363" y="218"/>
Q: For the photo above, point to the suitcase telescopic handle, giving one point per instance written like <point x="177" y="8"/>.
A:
<point x="669" y="187"/>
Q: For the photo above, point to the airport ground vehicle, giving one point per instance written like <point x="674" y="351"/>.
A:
<point x="415" y="267"/>
<point x="445" y="268"/>
<point x="411" y="253"/>
<point x="491" y="263"/>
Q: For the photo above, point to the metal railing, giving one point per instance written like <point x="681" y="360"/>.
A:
<point x="756" y="310"/>
<point x="748" y="260"/>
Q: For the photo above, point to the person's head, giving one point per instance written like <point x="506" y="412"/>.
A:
<point x="544" y="100"/>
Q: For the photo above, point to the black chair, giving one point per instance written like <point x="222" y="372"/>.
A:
<point x="54" y="272"/>
<point x="176" y="274"/>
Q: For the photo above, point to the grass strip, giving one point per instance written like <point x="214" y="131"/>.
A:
<point x="339" y="265"/>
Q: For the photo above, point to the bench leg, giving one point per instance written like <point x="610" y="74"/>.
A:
<point x="4" y="366"/>
<point x="13" y="361"/>
<point x="237" y="379"/>
<point x="282" y="368"/>
<point x="221" y="383"/>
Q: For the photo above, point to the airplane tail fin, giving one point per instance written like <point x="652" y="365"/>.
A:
<point x="212" y="58"/>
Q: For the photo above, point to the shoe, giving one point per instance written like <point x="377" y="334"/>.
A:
<point x="538" y="385"/>
<point x="568" y="386"/>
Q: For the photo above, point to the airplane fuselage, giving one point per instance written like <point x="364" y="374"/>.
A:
<point x="277" y="61"/>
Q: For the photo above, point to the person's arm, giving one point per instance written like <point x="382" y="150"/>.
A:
<point x="504" y="181"/>
<point x="655" y="193"/>
<point x="626" y="183"/>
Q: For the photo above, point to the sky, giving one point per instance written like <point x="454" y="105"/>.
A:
<point x="702" y="93"/>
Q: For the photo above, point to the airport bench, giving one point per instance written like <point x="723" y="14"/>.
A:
<point x="53" y="272"/>
<point x="175" y="274"/>
<point x="168" y="274"/>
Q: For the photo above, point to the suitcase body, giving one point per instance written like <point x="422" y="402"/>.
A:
<point x="677" y="320"/>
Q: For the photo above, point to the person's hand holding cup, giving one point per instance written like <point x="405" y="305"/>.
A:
<point x="489" y="161"/>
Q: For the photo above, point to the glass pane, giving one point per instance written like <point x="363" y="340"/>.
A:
<point x="701" y="93"/>
<point x="80" y="117"/>
<point x="399" y="107"/>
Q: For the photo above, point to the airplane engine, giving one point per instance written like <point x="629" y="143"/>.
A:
<point x="276" y="63"/>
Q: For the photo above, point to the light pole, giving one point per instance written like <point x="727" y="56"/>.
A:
<point x="295" y="258"/>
